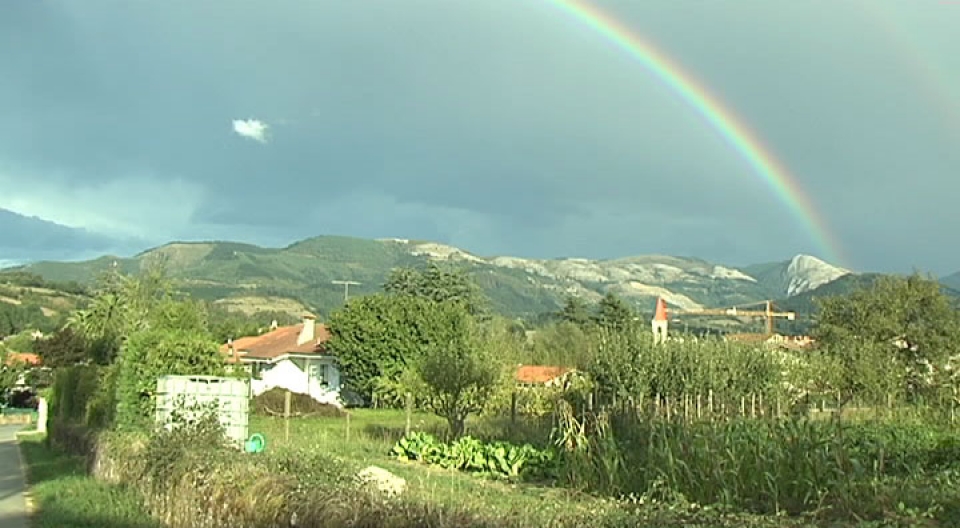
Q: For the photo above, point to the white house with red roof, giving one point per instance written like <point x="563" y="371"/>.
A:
<point x="294" y="358"/>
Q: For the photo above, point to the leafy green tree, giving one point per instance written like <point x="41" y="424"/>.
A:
<point x="459" y="374"/>
<point x="404" y="281"/>
<point x="440" y="284"/>
<point x="379" y="335"/>
<point x="575" y="311"/>
<point x="64" y="347"/>
<point x="614" y="313"/>
<point x="120" y="307"/>
<point x="904" y="322"/>
<point x="18" y="318"/>
<point x="564" y="344"/>
<point x="23" y="343"/>
<point x="174" y="341"/>
<point x="9" y="371"/>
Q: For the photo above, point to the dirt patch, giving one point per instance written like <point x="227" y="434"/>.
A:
<point x="250" y="305"/>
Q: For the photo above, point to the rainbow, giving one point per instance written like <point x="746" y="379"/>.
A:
<point x="720" y="118"/>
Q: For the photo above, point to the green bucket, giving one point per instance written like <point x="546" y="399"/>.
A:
<point x="255" y="444"/>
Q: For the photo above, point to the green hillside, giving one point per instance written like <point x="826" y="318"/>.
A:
<point x="243" y="275"/>
<point x="952" y="281"/>
<point x="249" y="278"/>
<point x="28" y="302"/>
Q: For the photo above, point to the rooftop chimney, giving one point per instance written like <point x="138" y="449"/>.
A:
<point x="232" y="352"/>
<point x="307" y="333"/>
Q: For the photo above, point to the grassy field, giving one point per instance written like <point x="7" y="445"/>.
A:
<point x="445" y="497"/>
<point x="368" y="435"/>
<point x="66" y="497"/>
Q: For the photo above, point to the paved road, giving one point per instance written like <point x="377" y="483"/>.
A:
<point x="13" y="508"/>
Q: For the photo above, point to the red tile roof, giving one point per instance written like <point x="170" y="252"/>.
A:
<point x="276" y="343"/>
<point x="18" y="357"/>
<point x="539" y="373"/>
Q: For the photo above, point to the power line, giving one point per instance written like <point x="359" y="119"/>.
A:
<point x="346" y="287"/>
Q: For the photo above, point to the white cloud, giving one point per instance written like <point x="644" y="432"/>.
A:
<point x="251" y="128"/>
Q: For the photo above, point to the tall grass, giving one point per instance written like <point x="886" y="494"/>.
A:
<point x="789" y="466"/>
<point x="67" y="497"/>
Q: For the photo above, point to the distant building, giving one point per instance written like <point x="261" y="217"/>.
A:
<point x="543" y="375"/>
<point x="775" y="340"/>
<point x="294" y="358"/>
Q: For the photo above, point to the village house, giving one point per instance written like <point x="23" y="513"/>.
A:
<point x="289" y="357"/>
<point x="543" y="376"/>
<point x="773" y="341"/>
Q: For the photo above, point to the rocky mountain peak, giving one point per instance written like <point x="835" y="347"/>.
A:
<point x="806" y="272"/>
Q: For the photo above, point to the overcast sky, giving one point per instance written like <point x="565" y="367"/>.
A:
<point x="499" y="126"/>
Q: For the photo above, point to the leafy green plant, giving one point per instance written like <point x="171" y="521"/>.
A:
<point x="472" y="455"/>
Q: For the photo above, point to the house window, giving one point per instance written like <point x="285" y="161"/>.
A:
<point x="319" y="371"/>
<point x="257" y="369"/>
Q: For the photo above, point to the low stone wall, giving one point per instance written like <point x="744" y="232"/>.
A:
<point x="16" y="419"/>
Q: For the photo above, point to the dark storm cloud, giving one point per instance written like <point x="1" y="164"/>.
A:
<point x="28" y="238"/>
<point x="501" y="127"/>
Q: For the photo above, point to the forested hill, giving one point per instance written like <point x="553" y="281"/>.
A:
<point x="301" y="276"/>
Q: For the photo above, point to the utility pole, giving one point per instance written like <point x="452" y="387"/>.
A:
<point x="346" y="287"/>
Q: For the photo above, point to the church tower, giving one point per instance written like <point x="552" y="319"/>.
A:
<point x="659" y="322"/>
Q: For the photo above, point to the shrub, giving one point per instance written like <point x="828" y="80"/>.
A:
<point x="152" y="353"/>
<point x="72" y="389"/>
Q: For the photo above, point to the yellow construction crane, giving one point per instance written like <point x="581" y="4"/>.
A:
<point x="739" y="311"/>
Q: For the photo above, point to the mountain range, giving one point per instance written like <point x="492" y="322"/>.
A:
<point x="300" y="277"/>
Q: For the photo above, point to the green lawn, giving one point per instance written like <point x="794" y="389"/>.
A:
<point x="66" y="497"/>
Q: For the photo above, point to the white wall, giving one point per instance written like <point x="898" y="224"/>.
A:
<point x="285" y="374"/>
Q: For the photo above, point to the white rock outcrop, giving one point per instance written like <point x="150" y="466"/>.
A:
<point x="806" y="273"/>
<point x="382" y="480"/>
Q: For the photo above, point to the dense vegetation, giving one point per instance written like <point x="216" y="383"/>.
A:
<point x="860" y="428"/>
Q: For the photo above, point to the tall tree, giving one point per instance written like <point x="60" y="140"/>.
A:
<point x="442" y="284"/>
<point x="614" y="313"/>
<point x="63" y="348"/>
<point x="119" y="308"/>
<point x="564" y="344"/>
<point x="174" y="340"/>
<point x="459" y="373"/>
<point x="575" y="310"/>
<point x="376" y="337"/>
<point x="404" y="281"/>
<point x="909" y="318"/>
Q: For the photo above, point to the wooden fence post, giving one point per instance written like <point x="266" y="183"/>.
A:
<point x="286" y="417"/>
<point x="409" y="402"/>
